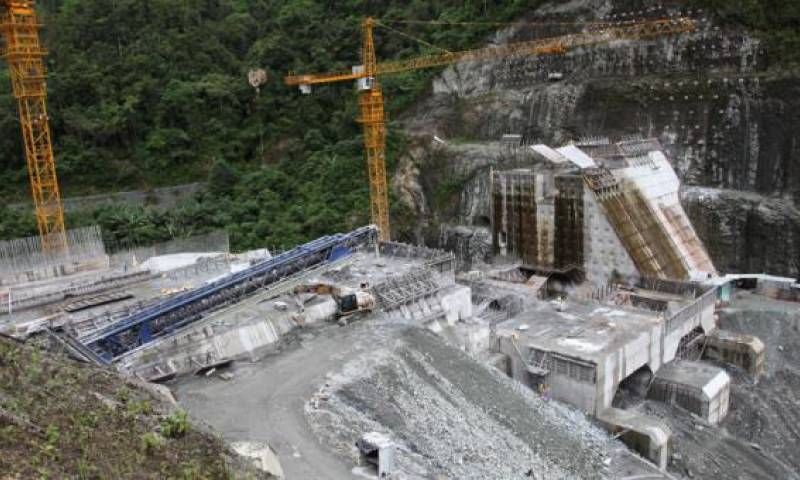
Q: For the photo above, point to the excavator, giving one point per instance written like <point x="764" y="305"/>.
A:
<point x="348" y="301"/>
<point x="371" y="103"/>
<point x="25" y="58"/>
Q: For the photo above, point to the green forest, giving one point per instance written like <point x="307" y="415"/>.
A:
<point x="149" y="93"/>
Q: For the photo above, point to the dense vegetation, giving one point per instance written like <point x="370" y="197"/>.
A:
<point x="145" y="93"/>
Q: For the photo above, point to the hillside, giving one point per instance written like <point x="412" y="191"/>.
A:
<point x="61" y="419"/>
<point x="145" y="94"/>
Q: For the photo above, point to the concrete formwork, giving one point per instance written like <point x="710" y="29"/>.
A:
<point x="514" y="226"/>
<point x="570" y="235"/>
<point x="622" y="218"/>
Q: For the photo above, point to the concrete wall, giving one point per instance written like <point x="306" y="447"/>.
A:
<point x="619" y="365"/>
<point x="516" y="366"/>
<point x="719" y="402"/>
<point x="457" y="304"/>
<point x="603" y="251"/>
<point x="566" y="389"/>
<point x="207" y="344"/>
<point x="699" y="314"/>
<point x="561" y="387"/>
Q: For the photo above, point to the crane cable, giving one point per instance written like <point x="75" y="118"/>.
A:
<point x="412" y="37"/>
<point x="495" y="24"/>
<point x="383" y="23"/>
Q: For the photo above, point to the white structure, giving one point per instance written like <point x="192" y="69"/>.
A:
<point x="611" y="209"/>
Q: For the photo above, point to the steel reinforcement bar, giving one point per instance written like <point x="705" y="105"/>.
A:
<point x="166" y="316"/>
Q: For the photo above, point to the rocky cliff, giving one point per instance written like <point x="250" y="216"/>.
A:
<point x="727" y="117"/>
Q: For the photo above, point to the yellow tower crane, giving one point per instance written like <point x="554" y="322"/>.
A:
<point x="371" y="103"/>
<point x="25" y="57"/>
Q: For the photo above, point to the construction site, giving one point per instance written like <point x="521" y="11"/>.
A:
<point x="590" y="336"/>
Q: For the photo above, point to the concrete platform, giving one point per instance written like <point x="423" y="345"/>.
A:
<point x="252" y="327"/>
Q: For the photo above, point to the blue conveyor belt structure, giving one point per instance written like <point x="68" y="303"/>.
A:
<point x="164" y="317"/>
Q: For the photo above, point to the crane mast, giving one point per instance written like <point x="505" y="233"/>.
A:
<point x="25" y="58"/>
<point x="371" y="104"/>
<point x="373" y="119"/>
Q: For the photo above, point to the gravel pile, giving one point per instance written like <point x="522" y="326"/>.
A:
<point x="452" y="417"/>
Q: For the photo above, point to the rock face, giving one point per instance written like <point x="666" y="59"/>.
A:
<point x="727" y="118"/>
<point x="746" y="231"/>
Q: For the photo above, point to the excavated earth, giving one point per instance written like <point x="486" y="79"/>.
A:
<point x="767" y="412"/>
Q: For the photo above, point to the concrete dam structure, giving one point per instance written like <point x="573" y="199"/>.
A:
<point x="613" y="210"/>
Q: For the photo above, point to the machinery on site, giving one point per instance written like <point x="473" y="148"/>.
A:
<point x="371" y="103"/>
<point x="348" y="301"/>
<point x="25" y="58"/>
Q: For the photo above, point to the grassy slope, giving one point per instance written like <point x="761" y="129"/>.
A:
<point x="60" y="419"/>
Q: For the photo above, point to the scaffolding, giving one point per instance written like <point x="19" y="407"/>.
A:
<point x="29" y="254"/>
<point x="406" y="289"/>
<point x="650" y="246"/>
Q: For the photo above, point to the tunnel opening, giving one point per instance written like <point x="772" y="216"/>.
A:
<point x="633" y="389"/>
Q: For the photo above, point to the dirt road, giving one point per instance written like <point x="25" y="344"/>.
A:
<point x="265" y="401"/>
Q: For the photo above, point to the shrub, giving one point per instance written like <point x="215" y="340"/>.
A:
<point x="151" y="442"/>
<point x="175" y="425"/>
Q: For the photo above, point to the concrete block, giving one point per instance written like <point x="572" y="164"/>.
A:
<point x="262" y="456"/>
<point x="377" y="451"/>
<point x="501" y="362"/>
<point x="745" y="351"/>
<point x="646" y="435"/>
<point x="457" y="304"/>
<point x="697" y="387"/>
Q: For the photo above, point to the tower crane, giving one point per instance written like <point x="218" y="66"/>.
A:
<point x="371" y="104"/>
<point x="25" y="57"/>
